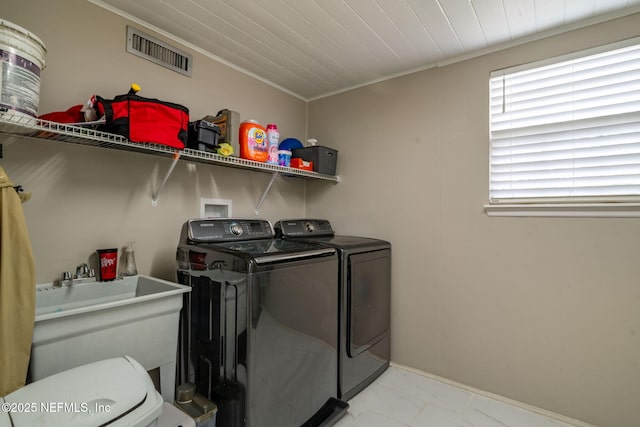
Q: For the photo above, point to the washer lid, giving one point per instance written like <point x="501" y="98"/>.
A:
<point x="277" y="250"/>
<point x="90" y="395"/>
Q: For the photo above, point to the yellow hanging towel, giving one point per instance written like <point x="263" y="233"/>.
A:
<point x="17" y="290"/>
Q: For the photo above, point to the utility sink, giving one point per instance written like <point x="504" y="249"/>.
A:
<point x="135" y="316"/>
<point x="70" y="300"/>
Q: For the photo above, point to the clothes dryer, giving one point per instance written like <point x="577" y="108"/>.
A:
<point x="364" y="285"/>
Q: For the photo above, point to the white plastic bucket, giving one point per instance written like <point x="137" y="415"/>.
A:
<point x="21" y="60"/>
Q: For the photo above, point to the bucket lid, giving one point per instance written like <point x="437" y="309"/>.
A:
<point x="99" y="392"/>
<point x="25" y="41"/>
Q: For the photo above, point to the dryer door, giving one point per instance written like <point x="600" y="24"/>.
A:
<point x="368" y="294"/>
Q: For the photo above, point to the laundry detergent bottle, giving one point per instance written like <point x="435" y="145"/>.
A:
<point x="273" y="136"/>
<point x="253" y="141"/>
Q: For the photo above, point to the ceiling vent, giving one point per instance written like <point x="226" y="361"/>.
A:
<point x="147" y="47"/>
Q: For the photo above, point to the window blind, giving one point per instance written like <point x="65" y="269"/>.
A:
<point x="567" y="128"/>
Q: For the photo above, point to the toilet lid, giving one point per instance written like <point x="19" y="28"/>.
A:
<point x="89" y="395"/>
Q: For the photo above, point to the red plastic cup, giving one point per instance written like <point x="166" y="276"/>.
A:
<point x="108" y="260"/>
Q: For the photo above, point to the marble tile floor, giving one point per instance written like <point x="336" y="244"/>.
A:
<point x="401" y="397"/>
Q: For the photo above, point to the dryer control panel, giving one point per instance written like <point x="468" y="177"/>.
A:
<point x="226" y="230"/>
<point x="303" y="228"/>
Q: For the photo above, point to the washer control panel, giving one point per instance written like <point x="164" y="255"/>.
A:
<point x="236" y="229"/>
<point x="227" y="229"/>
<point x="303" y="228"/>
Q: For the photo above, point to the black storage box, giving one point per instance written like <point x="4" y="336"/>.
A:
<point x="324" y="159"/>
<point x="203" y="135"/>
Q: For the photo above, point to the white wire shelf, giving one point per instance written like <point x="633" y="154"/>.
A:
<point x="24" y="126"/>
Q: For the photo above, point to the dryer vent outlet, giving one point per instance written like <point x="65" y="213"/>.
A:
<point x="152" y="49"/>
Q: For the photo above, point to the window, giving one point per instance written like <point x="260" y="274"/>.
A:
<point x="567" y="130"/>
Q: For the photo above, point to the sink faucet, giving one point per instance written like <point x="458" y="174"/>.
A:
<point x="83" y="274"/>
<point x="83" y="271"/>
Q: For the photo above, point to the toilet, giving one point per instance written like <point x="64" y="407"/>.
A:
<point x="113" y="392"/>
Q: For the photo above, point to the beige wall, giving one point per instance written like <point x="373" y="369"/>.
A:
<point x="87" y="198"/>
<point x="541" y="310"/>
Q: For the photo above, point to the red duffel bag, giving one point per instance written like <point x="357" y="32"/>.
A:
<point x="145" y="120"/>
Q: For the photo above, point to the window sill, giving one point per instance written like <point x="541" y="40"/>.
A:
<point x="581" y="210"/>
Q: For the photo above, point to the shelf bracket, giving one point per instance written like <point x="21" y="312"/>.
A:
<point x="264" y="193"/>
<point x="154" y="198"/>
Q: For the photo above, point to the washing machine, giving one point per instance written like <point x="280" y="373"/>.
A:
<point x="259" y="333"/>
<point x="364" y="286"/>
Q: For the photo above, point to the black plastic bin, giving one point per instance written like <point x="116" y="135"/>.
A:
<point x="203" y="136"/>
<point x="324" y="158"/>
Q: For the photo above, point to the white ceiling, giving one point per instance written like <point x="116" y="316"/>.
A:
<point x="313" y="48"/>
